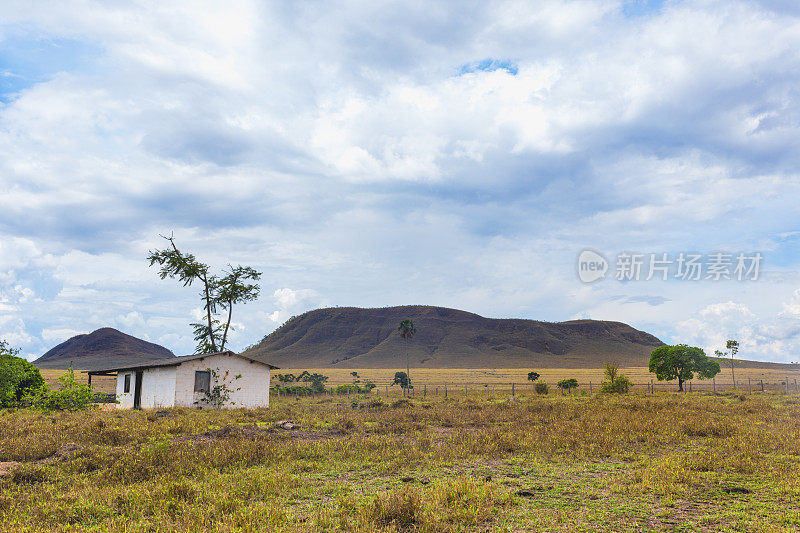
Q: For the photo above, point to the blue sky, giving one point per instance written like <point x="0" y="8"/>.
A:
<point x="448" y="153"/>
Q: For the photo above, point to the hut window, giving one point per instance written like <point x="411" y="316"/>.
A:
<point x="127" y="383"/>
<point x="202" y="381"/>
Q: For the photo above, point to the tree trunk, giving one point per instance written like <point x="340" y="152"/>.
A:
<point x="680" y="385"/>
<point x="208" y="314"/>
<point x="408" y="367"/>
<point x="227" y="325"/>
<point x="733" y="374"/>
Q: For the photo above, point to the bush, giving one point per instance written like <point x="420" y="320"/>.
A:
<point x="542" y="388"/>
<point x="299" y="390"/>
<point x="317" y="382"/>
<point x="354" y="389"/>
<point x="72" y="396"/>
<point x="18" y="377"/>
<point x="620" y="385"/>
<point x="615" y="382"/>
<point x="568" y="384"/>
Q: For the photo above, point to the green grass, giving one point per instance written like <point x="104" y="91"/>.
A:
<point x="582" y="463"/>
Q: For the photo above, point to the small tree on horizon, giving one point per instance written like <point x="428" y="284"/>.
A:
<point x="681" y="362"/>
<point x="619" y="383"/>
<point x="611" y="371"/>
<point x="401" y="378"/>
<point x="733" y="346"/>
<point x="567" y="384"/>
<point x="533" y="376"/>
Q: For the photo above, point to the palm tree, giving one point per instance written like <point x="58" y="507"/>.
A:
<point x="407" y="331"/>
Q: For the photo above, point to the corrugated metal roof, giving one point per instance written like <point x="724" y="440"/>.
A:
<point x="175" y="361"/>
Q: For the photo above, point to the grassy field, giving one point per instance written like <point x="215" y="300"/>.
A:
<point x="688" y="462"/>
<point x="486" y="379"/>
<point x="500" y="379"/>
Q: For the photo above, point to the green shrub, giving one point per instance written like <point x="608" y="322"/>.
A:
<point x="72" y="396"/>
<point x="542" y="388"/>
<point x="620" y="385"/>
<point x="354" y="389"/>
<point x="18" y="377"/>
<point x="615" y="382"/>
<point x="298" y="390"/>
<point x="567" y="384"/>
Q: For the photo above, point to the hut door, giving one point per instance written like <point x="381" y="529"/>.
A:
<point x="137" y="392"/>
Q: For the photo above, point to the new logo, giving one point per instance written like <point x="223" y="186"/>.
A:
<point x="591" y="266"/>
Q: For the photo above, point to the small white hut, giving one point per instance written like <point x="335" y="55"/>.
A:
<point x="223" y="379"/>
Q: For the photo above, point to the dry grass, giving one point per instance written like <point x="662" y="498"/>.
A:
<point x="635" y="462"/>
<point x="487" y="378"/>
<point x="104" y="384"/>
<point x="500" y="379"/>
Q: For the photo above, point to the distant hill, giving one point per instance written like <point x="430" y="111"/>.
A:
<point x="349" y="337"/>
<point x="106" y="347"/>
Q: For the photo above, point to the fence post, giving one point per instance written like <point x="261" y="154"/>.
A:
<point x="445" y="390"/>
<point x="787" y="384"/>
<point x="652" y="387"/>
<point x="387" y="391"/>
<point x="714" y="384"/>
<point x="425" y="391"/>
<point x="512" y="390"/>
<point x="749" y="388"/>
<point x="590" y="387"/>
<point x="762" y="385"/>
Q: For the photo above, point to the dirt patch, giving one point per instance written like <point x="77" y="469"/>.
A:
<point x="256" y="432"/>
<point x="7" y="467"/>
<point x="62" y="454"/>
<point x="66" y="451"/>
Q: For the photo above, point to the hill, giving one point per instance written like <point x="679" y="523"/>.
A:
<point x="103" y="348"/>
<point x="349" y="337"/>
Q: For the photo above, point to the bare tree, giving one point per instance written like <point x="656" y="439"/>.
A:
<point x="236" y="285"/>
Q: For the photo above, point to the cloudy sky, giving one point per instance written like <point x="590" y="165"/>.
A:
<point x="370" y="154"/>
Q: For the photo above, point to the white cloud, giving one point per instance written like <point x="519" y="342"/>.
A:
<point x="59" y="335"/>
<point x="292" y="302"/>
<point x="762" y="336"/>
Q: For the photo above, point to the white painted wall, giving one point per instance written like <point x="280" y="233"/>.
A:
<point x="254" y="383"/>
<point x="158" y="387"/>
<point x="174" y="386"/>
<point x="125" y="399"/>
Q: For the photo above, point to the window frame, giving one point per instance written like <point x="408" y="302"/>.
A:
<point x="200" y="375"/>
<point x="126" y="385"/>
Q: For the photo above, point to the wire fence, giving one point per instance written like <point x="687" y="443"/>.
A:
<point x="789" y="385"/>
